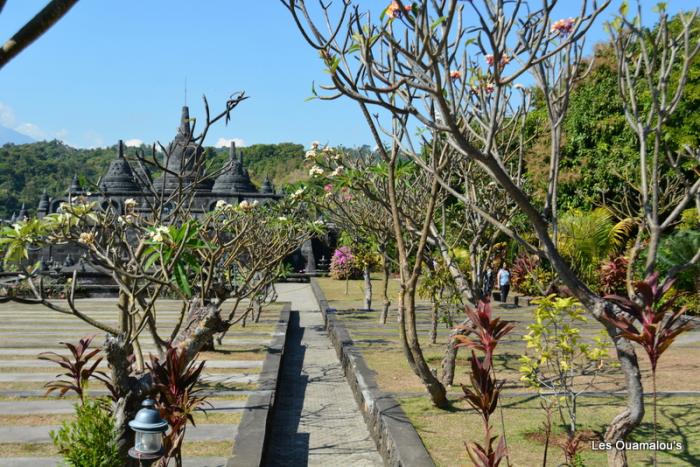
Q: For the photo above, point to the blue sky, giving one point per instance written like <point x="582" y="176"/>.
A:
<point x="116" y="70"/>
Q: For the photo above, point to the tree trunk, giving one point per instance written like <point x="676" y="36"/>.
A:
<point x="201" y="324"/>
<point x="434" y="320"/>
<point x="385" y="288"/>
<point x="128" y="392"/>
<point x="626" y="421"/>
<point x="437" y="391"/>
<point x="368" y="287"/>
<point x="258" y="310"/>
<point x="449" y="360"/>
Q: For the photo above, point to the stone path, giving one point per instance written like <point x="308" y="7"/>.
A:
<point x="316" y="420"/>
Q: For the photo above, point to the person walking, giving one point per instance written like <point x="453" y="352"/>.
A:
<point x="504" y="281"/>
<point x="488" y="281"/>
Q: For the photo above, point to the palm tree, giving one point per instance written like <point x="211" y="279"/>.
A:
<point x="586" y="238"/>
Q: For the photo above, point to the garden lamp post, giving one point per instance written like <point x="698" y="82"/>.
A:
<point x="149" y="429"/>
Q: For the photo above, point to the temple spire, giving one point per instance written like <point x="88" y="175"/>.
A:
<point x="43" y="207"/>
<point x="232" y="151"/>
<point x="120" y="152"/>
<point x="74" y="185"/>
<point x="185" y="128"/>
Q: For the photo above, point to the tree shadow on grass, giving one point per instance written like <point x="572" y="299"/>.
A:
<point x="675" y="423"/>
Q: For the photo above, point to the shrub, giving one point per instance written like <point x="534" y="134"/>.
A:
<point x="557" y="355"/>
<point x="520" y="272"/>
<point x="344" y="264"/>
<point x="529" y="277"/>
<point x="613" y="273"/>
<point x="89" y="440"/>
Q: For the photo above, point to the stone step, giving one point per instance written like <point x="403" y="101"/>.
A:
<point x="41" y="393"/>
<point x="63" y="406"/>
<point x="40" y="434"/>
<point x="209" y="364"/>
<point x="244" y="378"/>
<point x="54" y="343"/>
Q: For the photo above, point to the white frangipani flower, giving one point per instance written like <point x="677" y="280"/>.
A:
<point x="316" y="171"/>
<point x="298" y="194"/>
<point x="246" y="205"/>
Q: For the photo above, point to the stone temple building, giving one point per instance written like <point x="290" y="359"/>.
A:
<point x="125" y="179"/>
<point x="128" y="180"/>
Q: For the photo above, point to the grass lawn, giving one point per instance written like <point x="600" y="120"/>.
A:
<point x="444" y="432"/>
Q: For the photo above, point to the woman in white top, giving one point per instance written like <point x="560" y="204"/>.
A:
<point x="504" y="281"/>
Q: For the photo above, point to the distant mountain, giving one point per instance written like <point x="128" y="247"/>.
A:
<point x="8" y="135"/>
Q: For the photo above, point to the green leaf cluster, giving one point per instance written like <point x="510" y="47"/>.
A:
<point x="90" y="438"/>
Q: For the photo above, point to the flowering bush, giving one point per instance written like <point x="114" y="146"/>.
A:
<point x="344" y="264"/>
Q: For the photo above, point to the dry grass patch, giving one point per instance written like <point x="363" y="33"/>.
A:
<point x="27" y="450"/>
<point x="35" y="420"/>
<point x="233" y="353"/>
<point x="334" y="290"/>
<point x="207" y="448"/>
<point x="228" y="417"/>
<point x="23" y="386"/>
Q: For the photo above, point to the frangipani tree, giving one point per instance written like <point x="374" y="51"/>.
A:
<point x="452" y="68"/>
<point x="360" y="214"/>
<point x="210" y="262"/>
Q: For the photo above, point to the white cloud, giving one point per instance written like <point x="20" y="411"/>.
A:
<point x="61" y="134"/>
<point x="32" y="130"/>
<point x="226" y="142"/>
<point x="8" y="120"/>
<point x="7" y="115"/>
<point x="133" y="143"/>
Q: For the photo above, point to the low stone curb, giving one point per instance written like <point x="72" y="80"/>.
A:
<point x="254" y="428"/>
<point x="397" y="440"/>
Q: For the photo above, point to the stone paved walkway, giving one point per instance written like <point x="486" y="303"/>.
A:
<point x="317" y="421"/>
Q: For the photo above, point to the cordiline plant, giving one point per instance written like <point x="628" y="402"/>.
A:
<point x="174" y="381"/>
<point x="483" y="395"/>
<point x="80" y="367"/>
<point x="659" y="320"/>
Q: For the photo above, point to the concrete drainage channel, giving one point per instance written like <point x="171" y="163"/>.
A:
<point x="396" y="438"/>
<point x="253" y="430"/>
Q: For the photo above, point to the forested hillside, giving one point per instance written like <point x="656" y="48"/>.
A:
<point x="28" y="169"/>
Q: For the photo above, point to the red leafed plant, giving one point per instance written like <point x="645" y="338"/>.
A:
<point x="660" y="324"/>
<point x="613" y="273"/>
<point x="522" y="268"/>
<point x="80" y="366"/>
<point x="174" y="381"/>
<point x="483" y="395"/>
<point x="488" y="330"/>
